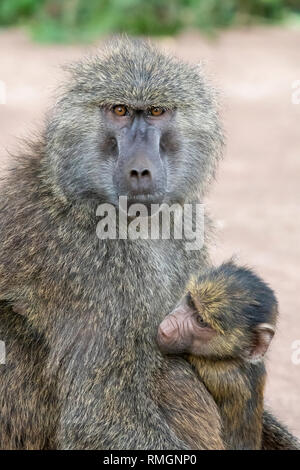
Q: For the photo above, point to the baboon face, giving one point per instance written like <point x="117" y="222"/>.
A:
<point x="134" y="122"/>
<point x="142" y="141"/>
<point x="186" y="330"/>
<point x="228" y="312"/>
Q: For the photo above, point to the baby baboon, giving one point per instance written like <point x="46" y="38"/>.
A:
<point x="225" y="324"/>
<point x="131" y="122"/>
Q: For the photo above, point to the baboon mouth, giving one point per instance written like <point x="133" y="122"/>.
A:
<point x="170" y="345"/>
<point x="145" y="199"/>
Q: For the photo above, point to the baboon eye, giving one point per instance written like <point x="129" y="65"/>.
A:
<point x="201" y="322"/>
<point x="156" y="111"/>
<point x="120" y="110"/>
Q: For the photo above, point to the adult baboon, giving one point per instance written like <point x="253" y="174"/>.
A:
<point x="82" y="368"/>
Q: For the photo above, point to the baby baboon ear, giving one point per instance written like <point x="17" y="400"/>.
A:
<point x="262" y="338"/>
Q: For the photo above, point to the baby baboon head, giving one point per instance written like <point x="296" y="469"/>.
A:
<point x="227" y="313"/>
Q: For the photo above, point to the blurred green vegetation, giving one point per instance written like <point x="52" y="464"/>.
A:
<point x="69" y="20"/>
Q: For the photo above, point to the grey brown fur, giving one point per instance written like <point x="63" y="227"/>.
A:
<point x="82" y="367"/>
<point x="73" y="379"/>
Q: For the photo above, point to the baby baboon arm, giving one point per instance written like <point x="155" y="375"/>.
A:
<point x="188" y="407"/>
<point x="275" y="435"/>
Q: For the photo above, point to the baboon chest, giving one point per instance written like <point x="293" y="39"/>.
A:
<point x="97" y="317"/>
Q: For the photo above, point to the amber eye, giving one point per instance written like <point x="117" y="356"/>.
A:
<point x="156" y="111"/>
<point x="201" y="322"/>
<point x="120" y="110"/>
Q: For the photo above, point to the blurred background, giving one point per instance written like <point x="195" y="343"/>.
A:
<point x="251" y="50"/>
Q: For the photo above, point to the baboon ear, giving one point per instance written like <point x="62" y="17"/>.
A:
<point x="262" y="338"/>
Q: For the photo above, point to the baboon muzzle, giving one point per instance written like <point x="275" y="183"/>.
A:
<point x="168" y="336"/>
<point x="140" y="173"/>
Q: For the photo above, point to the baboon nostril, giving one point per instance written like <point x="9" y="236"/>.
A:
<point x="140" y="174"/>
<point x="146" y="173"/>
<point x="140" y="180"/>
<point x="134" y="174"/>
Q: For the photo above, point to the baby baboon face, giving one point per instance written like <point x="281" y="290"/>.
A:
<point x="227" y="313"/>
<point x="185" y="331"/>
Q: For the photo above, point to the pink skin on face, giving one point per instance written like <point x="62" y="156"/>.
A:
<point x="183" y="331"/>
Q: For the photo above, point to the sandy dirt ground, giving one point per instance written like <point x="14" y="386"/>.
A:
<point x="256" y="200"/>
